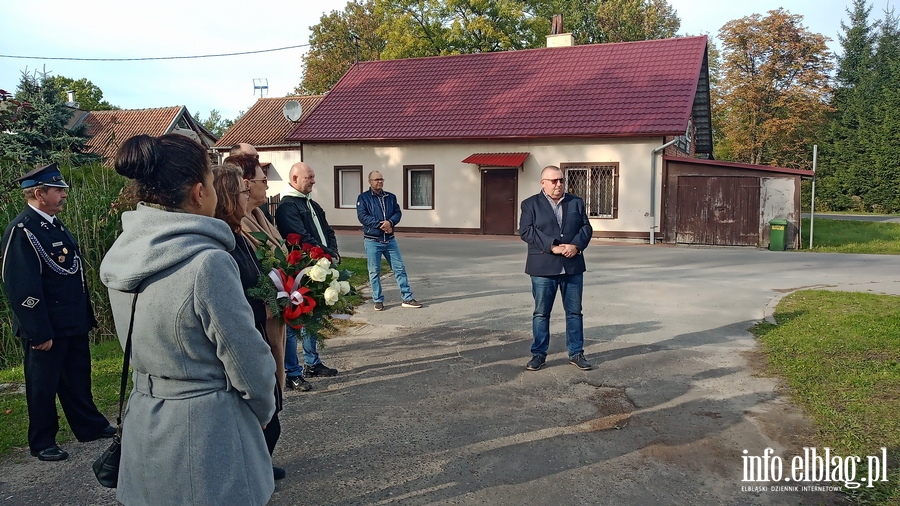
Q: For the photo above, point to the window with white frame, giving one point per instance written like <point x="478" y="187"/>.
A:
<point x="347" y="185"/>
<point x="597" y="184"/>
<point x="418" y="186"/>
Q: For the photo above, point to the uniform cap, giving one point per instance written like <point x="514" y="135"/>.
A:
<point x="48" y="175"/>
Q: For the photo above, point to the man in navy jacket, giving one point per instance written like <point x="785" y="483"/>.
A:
<point x="52" y="314"/>
<point x="556" y="228"/>
<point x="379" y="213"/>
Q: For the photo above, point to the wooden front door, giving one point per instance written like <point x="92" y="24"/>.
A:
<point x="721" y="211"/>
<point x="498" y="201"/>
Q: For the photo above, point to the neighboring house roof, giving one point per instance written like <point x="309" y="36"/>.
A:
<point x="629" y="89"/>
<point x="736" y="165"/>
<point x="109" y="129"/>
<point x="264" y="124"/>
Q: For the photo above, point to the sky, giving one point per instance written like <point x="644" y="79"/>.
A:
<point x="93" y="29"/>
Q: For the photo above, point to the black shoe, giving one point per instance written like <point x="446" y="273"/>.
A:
<point x="50" y="454"/>
<point x="580" y="362"/>
<point x="318" y="370"/>
<point x="379" y="306"/>
<point x="105" y="433"/>
<point x="413" y="303"/>
<point x="279" y="473"/>
<point x="298" y="383"/>
<point x="536" y="362"/>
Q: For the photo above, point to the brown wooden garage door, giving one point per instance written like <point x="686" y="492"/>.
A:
<point x="721" y="210"/>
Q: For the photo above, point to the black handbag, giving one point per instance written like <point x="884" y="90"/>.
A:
<point x="106" y="467"/>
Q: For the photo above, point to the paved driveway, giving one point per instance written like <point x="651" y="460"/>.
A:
<point x="434" y="406"/>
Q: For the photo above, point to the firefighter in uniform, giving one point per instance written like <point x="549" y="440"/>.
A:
<point x="44" y="279"/>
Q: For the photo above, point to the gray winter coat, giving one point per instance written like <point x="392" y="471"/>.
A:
<point x="204" y="378"/>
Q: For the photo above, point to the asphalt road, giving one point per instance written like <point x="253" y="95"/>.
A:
<point x="434" y="405"/>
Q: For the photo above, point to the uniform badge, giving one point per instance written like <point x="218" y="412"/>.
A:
<point x="30" y="302"/>
<point x="45" y="226"/>
<point x="65" y="251"/>
<point x="61" y="258"/>
<point x="58" y="244"/>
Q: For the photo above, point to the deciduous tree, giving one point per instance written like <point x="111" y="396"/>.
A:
<point x="340" y="39"/>
<point x="88" y="95"/>
<point x="215" y="123"/>
<point x="632" y="20"/>
<point x="773" y="89"/>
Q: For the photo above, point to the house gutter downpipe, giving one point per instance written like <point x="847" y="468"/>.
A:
<point x="653" y="188"/>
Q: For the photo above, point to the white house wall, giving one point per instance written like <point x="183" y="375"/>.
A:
<point x="457" y="194"/>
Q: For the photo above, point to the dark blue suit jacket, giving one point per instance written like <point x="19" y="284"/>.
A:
<point x="47" y="301"/>
<point x="538" y="228"/>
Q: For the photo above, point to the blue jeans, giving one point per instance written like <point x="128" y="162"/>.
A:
<point x="292" y="367"/>
<point x="374" y="251"/>
<point x="544" y="290"/>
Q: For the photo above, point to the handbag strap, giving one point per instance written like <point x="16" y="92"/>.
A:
<point x="125" y="361"/>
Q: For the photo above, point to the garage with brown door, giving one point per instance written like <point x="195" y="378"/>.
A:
<point x="728" y="204"/>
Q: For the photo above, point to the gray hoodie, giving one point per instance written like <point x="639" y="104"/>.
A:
<point x="204" y="379"/>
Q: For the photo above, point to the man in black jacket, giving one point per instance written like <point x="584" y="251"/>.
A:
<point x="52" y="314"/>
<point x="298" y="213"/>
<point x="556" y="227"/>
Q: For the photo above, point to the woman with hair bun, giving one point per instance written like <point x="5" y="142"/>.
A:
<point x="203" y="376"/>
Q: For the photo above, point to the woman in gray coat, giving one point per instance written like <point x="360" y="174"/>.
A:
<point x="203" y="376"/>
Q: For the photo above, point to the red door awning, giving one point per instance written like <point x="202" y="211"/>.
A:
<point x="497" y="159"/>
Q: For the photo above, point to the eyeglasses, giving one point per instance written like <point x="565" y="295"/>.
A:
<point x="556" y="181"/>
<point x="264" y="180"/>
<point x="378" y="180"/>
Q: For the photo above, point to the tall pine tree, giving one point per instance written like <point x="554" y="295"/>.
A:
<point x="39" y="135"/>
<point x="858" y="170"/>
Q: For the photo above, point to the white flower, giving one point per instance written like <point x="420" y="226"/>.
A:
<point x="324" y="263"/>
<point x="345" y="287"/>
<point x="317" y="273"/>
<point x="335" y="274"/>
<point x="331" y="296"/>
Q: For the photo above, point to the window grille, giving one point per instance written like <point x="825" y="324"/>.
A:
<point x="596" y="184"/>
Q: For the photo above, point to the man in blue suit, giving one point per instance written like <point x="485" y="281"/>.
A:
<point x="556" y="227"/>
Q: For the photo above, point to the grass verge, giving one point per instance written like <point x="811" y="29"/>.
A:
<point x="839" y="352"/>
<point x="847" y="236"/>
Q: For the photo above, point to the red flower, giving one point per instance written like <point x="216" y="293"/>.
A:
<point x="293" y="239"/>
<point x="306" y="246"/>
<point x="316" y="253"/>
<point x="294" y="257"/>
<point x="295" y="311"/>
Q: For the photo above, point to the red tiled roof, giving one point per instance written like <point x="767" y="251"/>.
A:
<point x="109" y="129"/>
<point x="264" y="124"/>
<point x="497" y="159"/>
<point x="599" y="90"/>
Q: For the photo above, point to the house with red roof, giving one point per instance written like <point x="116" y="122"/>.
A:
<point x="462" y="140"/>
<point x="109" y="129"/>
<point x="265" y="126"/>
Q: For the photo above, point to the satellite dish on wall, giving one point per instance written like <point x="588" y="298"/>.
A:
<point x="292" y="111"/>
